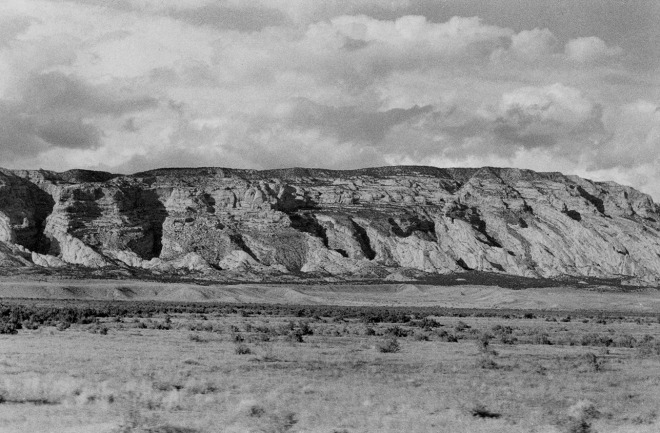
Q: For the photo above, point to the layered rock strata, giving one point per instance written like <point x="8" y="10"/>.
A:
<point x="370" y="222"/>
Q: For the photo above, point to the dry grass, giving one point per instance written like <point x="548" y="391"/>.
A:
<point x="337" y="379"/>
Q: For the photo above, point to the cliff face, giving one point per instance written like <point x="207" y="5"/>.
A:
<point x="370" y="222"/>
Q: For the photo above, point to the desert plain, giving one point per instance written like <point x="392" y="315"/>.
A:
<point x="137" y="356"/>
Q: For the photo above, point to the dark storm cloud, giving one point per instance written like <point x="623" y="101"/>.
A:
<point x="73" y="134"/>
<point x="351" y="123"/>
<point x="17" y="133"/>
<point x="244" y="19"/>
<point x="24" y="133"/>
<point x="531" y="130"/>
<point x="55" y="92"/>
<point x="54" y="110"/>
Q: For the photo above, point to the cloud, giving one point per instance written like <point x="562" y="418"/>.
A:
<point x="352" y="53"/>
<point x="26" y="133"/>
<point x="590" y="49"/>
<point x="134" y="84"/>
<point x="556" y="108"/>
<point x="246" y="18"/>
<point x="350" y="123"/>
<point x="17" y="134"/>
<point x="556" y="118"/>
<point x="534" y="43"/>
<point x="634" y="137"/>
<point x="458" y="36"/>
<point x="55" y="110"/>
<point x="71" y="134"/>
<point x="54" y="92"/>
<point x="10" y="27"/>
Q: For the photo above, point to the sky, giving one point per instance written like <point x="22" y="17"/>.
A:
<point x="131" y="85"/>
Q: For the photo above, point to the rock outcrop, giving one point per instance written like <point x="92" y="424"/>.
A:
<point x="369" y="223"/>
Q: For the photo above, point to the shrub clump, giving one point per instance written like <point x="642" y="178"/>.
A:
<point x="580" y="416"/>
<point x="197" y="338"/>
<point x="446" y="336"/>
<point x="487" y="362"/>
<point x="8" y="328"/>
<point x="648" y="346"/>
<point x="593" y="339"/>
<point x="63" y="325"/>
<point x="461" y="326"/>
<point x="483" y="345"/>
<point x="242" y="349"/>
<point x="592" y="362"/>
<point x="389" y="345"/>
<point x="295" y="336"/>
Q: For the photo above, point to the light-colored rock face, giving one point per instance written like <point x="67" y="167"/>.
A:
<point x="362" y="222"/>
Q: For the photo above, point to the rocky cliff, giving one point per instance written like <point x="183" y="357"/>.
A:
<point x="385" y="222"/>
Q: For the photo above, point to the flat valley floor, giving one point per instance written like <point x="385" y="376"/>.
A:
<point x="332" y="359"/>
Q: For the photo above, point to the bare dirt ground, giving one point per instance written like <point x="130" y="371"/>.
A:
<point x="593" y="297"/>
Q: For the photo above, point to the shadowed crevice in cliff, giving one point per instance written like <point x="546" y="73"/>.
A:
<point x="238" y="240"/>
<point x="472" y="216"/>
<point x="363" y="239"/>
<point x="572" y="214"/>
<point x="288" y="201"/>
<point x="405" y="227"/>
<point x="27" y="207"/>
<point x="595" y="201"/>
<point x="150" y="213"/>
<point x="461" y="263"/>
<point x="44" y="208"/>
<point x="307" y="223"/>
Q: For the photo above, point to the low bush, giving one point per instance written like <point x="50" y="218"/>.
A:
<point x="98" y="329"/>
<point x="295" y="336"/>
<point x="446" y="336"/>
<point x="483" y="344"/>
<point x="426" y="323"/>
<point x="8" y="328"/>
<point x="648" y="346"/>
<point x="63" y="325"/>
<point x="389" y="345"/>
<point x="197" y="338"/>
<point x="592" y="362"/>
<point x="461" y="326"/>
<point x="242" y="349"/>
<point x="625" y="341"/>
<point x="397" y="331"/>
<point x="29" y="324"/>
<point x="540" y="338"/>
<point x="593" y="339"/>
<point x="486" y="362"/>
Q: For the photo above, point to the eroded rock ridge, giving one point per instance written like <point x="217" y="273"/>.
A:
<point x="379" y="222"/>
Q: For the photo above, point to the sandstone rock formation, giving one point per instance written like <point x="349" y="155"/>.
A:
<point x="369" y="223"/>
